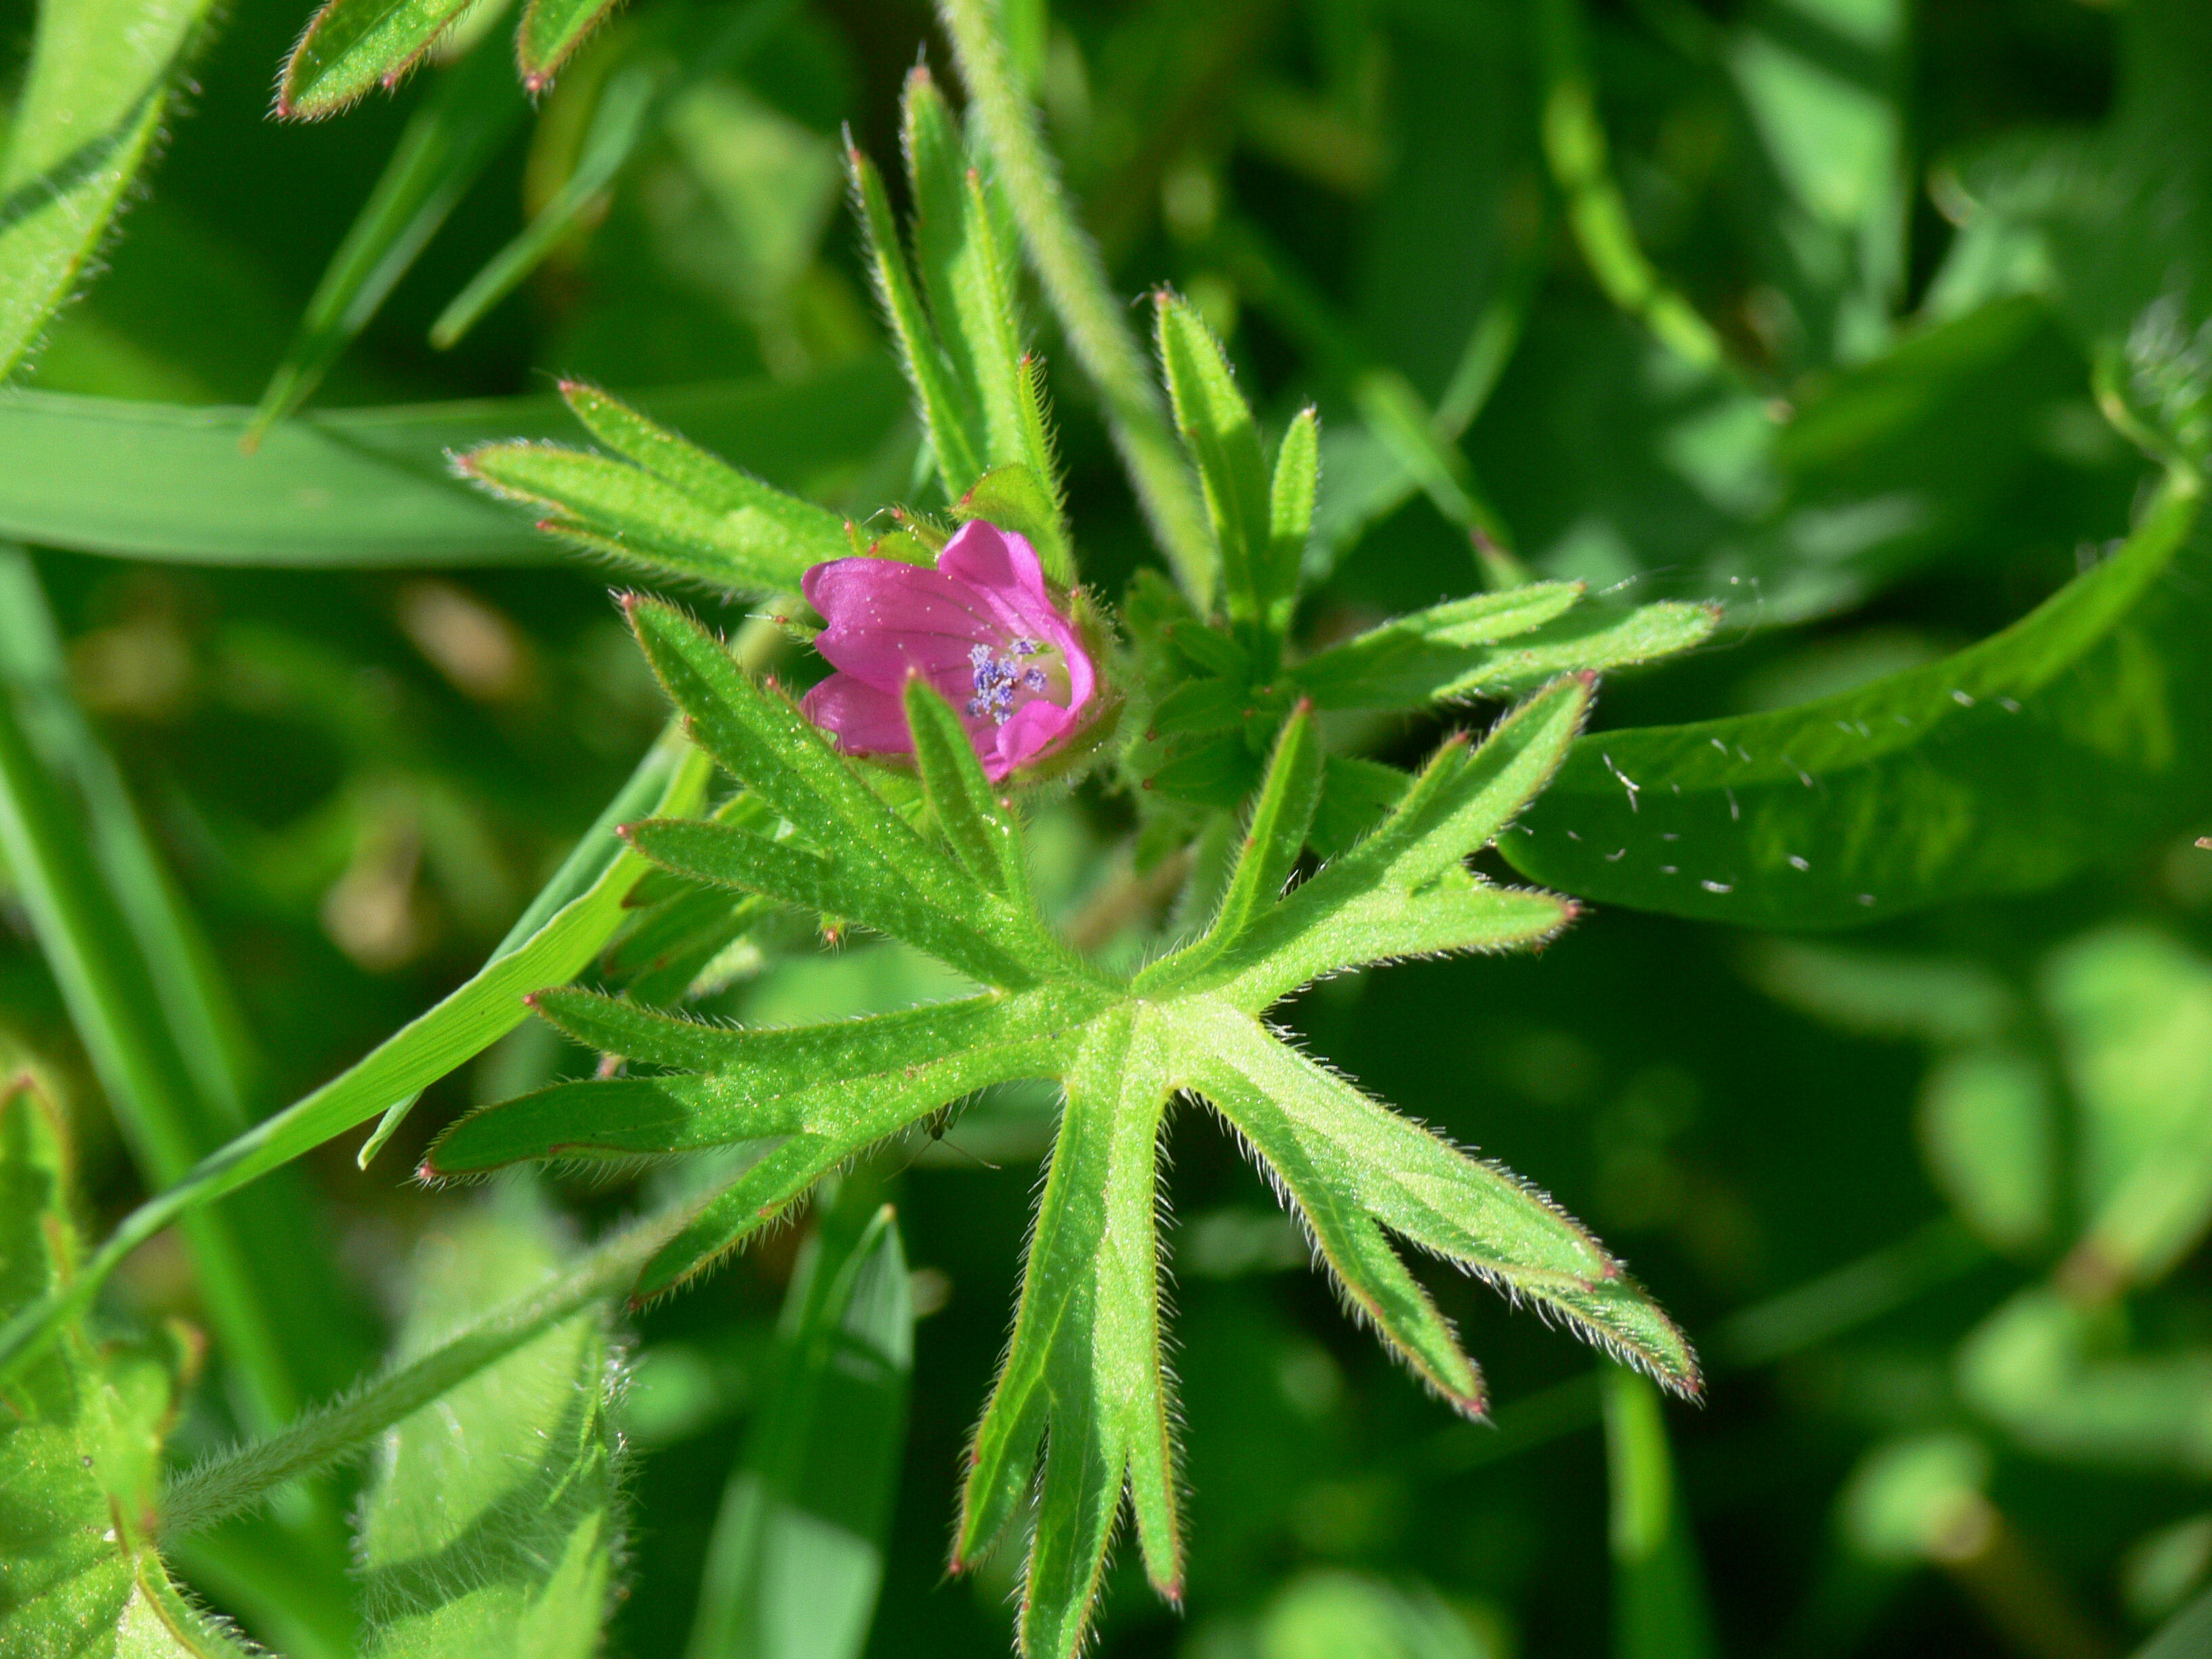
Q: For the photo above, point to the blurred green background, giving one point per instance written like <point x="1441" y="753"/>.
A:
<point x="1855" y="1167"/>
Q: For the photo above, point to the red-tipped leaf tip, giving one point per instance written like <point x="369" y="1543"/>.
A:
<point x="919" y="75"/>
<point x="1303" y="706"/>
<point x="424" y="1172"/>
<point x="1586" y="675"/>
<point x="627" y="832"/>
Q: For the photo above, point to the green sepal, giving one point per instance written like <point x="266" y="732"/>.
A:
<point x="1013" y="498"/>
<point x="978" y="825"/>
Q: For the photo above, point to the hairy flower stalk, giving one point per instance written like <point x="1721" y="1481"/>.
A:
<point x="981" y="627"/>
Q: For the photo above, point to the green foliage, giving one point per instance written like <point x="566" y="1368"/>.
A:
<point x="492" y="1524"/>
<point x="798" y="1544"/>
<point x="79" y="1440"/>
<point x="1917" y="787"/>
<point x="1636" y="301"/>
<point x="370" y="487"/>
<point x="86" y="119"/>
<point x="1084" y="1373"/>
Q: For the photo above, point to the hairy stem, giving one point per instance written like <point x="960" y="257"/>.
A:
<point x="236" y="1480"/>
<point x="1074" y="279"/>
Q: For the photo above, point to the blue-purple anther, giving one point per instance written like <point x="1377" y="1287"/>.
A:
<point x="997" y="678"/>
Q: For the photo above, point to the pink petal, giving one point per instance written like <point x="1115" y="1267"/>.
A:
<point x="888" y="619"/>
<point x="865" y="719"/>
<point x="1034" y="728"/>
<point x="996" y="559"/>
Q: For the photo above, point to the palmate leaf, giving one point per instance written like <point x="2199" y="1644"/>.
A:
<point x="1083" y="1380"/>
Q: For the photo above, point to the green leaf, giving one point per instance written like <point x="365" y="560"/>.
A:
<point x="1354" y="1167"/>
<point x="763" y="741"/>
<point x="1013" y="498"/>
<point x="369" y="488"/>
<point x="1454" y="650"/>
<point x="797" y="1554"/>
<point x="569" y="922"/>
<point x="954" y="425"/>
<point x="1660" y="1609"/>
<point x="825" y="1091"/>
<point x="969" y="277"/>
<point x="676" y="510"/>
<point x="90" y="109"/>
<point x="1290" y="497"/>
<point x="492" y="1524"/>
<point x="1217" y="428"/>
<point x="628" y="109"/>
<point x="2081" y="731"/>
<point x="451" y="138"/>
<point x="81" y="1435"/>
<point x="1402" y="892"/>
<point x="980" y="827"/>
<point x="1084" y="1372"/>
<point x="134" y="977"/>
<point x="551" y="31"/>
<point x="351" y="45"/>
<point x="234" y="1481"/>
<point x="1273" y="839"/>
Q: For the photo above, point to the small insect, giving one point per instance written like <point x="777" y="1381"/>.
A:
<point x="936" y="1124"/>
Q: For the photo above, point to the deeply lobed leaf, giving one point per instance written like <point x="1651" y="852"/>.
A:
<point x="1084" y="1373"/>
<point x="667" y="507"/>
<point x="871" y="853"/>
<point x="1401" y="891"/>
<point x="849" y="1084"/>
<point x="1354" y="1166"/>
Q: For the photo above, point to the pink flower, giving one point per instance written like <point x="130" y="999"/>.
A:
<point x="981" y="627"/>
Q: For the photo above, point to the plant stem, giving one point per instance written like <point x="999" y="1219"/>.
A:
<point x="1075" y="283"/>
<point x="236" y="1480"/>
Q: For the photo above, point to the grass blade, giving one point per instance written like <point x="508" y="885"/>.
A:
<point x="86" y="118"/>
<point x="1658" y="1591"/>
<point x="462" y="124"/>
<point x="457" y="1029"/>
<point x="797" y="1552"/>
<point x="370" y="488"/>
<point x="232" y="1482"/>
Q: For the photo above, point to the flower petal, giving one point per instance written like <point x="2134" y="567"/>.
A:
<point x="996" y="559"/>
<point x="888" y="619"/>
<point x="865" y="719"/>
<point x="1034" y="728"/>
